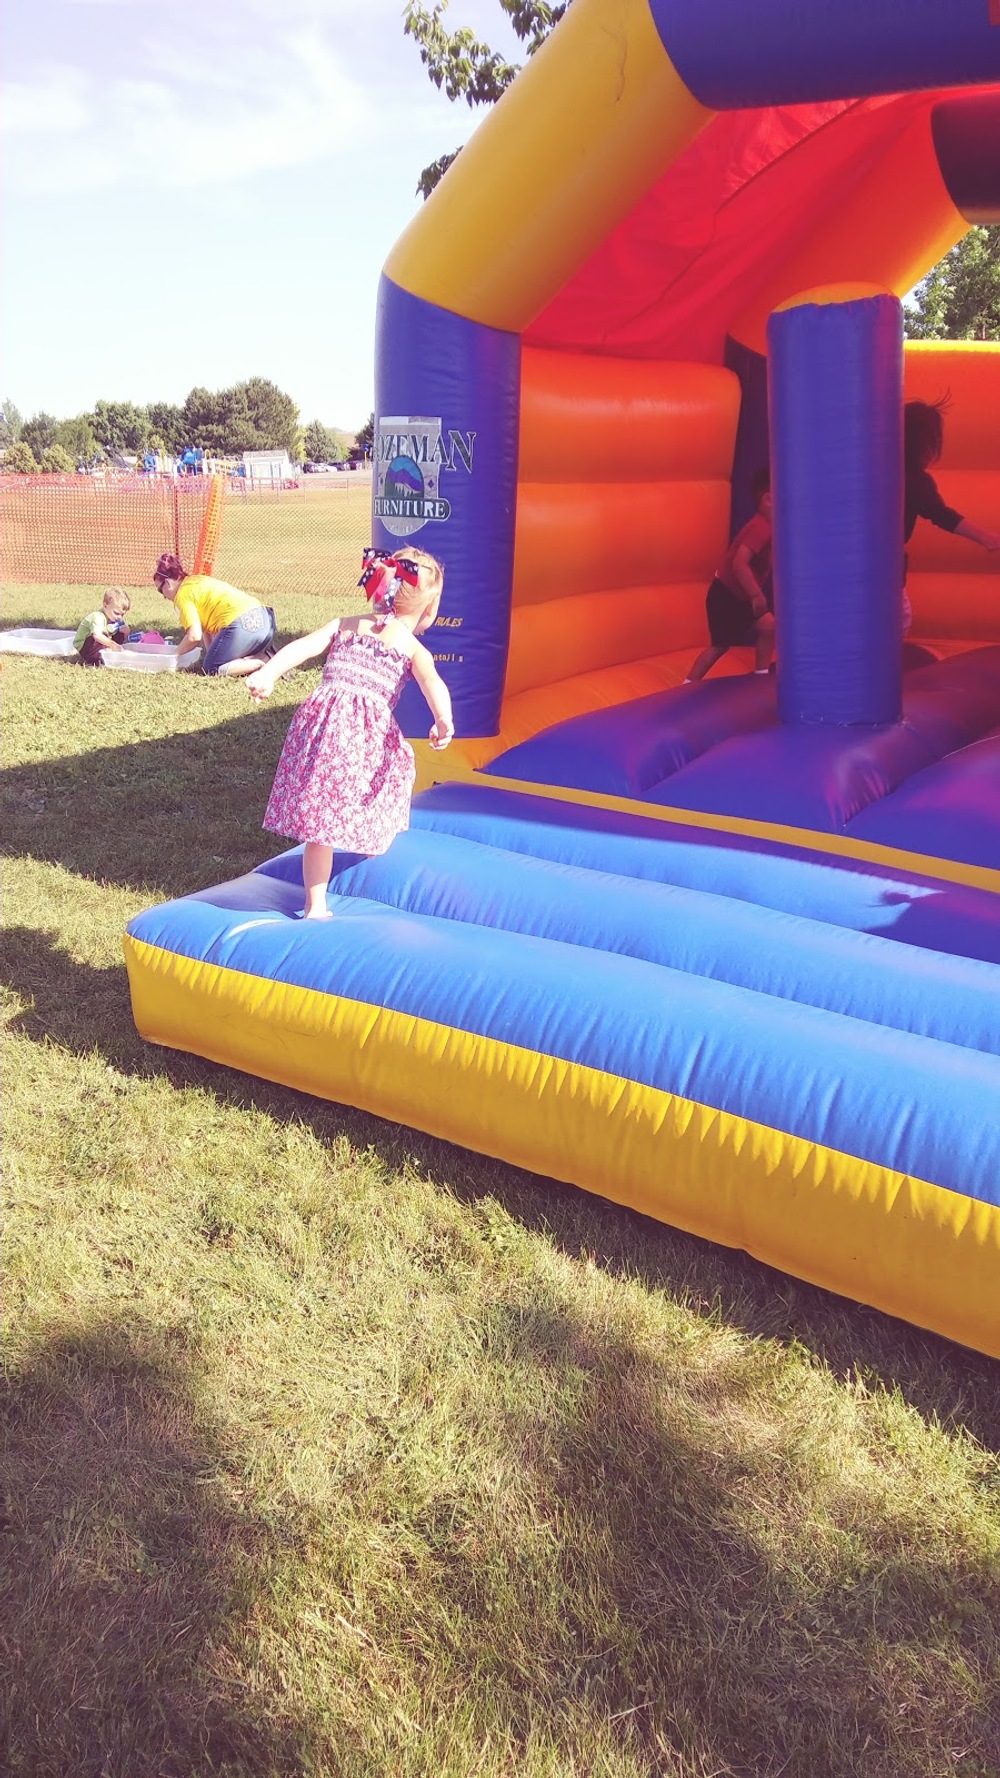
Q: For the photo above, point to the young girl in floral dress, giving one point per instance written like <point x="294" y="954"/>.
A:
<point x="345" y="776"/>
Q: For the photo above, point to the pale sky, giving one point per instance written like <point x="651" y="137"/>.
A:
<point x="197" y="194"/>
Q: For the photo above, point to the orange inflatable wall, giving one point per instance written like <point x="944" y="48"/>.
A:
<point x="954" y="587"/>
<point x="622" y="510"/>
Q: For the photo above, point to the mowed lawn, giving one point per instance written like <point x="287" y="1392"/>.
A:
<point x="330" y="1449"/>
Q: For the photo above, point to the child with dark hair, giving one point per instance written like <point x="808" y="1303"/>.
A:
<point x="235" y="630"/>
<point x="923" y="443"/>
<point x="738" y="601"/>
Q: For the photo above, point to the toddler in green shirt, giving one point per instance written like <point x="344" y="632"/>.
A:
<point x="103" y="628"/>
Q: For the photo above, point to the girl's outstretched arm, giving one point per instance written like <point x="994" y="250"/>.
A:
<point x="975" y="533"/>
<point x="437" y="694"/>
<point x="261" y="684"/>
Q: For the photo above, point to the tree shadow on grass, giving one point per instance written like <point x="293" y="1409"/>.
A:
<point x="113" y="814"/>
<point x="129" y="1575"/>
<point x="44" y="621"/>
<point x="630" y="1601"/>
<point x="87" y="1010"/>
<point x="945" y="1382"/>
<point x="695" y="1605"/>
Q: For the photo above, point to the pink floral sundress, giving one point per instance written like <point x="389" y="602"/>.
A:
<point x="345" y="776"/>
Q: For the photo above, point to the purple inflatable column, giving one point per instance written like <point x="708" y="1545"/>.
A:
<point x="836" y="424"/>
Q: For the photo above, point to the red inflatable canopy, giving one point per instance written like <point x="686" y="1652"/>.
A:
<point x="842" y="190"/>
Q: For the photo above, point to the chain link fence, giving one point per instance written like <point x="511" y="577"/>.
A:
<point x="304" y="539"/>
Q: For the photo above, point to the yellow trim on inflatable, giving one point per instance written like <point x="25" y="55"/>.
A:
<point x="975" y="876"/>
<point x="905" y="1246"/>
<point x="591" y="122"/>
<point x="823" y="294"/>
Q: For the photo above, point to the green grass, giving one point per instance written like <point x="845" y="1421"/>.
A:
<point x="307" y="539"/>
<point x="328" y="1449"/>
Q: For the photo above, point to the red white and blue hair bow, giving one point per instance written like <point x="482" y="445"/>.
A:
<point x="382" y="574"/>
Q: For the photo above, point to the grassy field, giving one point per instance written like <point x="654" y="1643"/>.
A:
<point x="306" y="539"/>
<point x="329" y="1449"/>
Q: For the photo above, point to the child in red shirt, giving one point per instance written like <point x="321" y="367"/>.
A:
<point x="738" y="602"/>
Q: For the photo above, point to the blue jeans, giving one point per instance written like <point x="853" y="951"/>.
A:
<point x="249" y="633"/>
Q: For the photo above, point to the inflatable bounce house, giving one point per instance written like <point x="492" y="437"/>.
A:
<point x="728" y="953"/>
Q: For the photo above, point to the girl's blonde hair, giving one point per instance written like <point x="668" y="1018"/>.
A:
<point x="428" y="592"/>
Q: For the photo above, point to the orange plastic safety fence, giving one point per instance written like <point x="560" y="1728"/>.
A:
<point x="96" y="530"/>
<point x="299" y="537"/>
<point x="211" y="525"/>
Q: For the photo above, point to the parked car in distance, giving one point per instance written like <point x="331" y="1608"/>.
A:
<point x="321" y="468"/>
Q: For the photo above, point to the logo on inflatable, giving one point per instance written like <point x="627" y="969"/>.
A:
<point x="410" y="454"/>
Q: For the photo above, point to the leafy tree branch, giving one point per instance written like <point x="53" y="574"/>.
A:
<point x="461" y="65"/>
<point x="960" y="297"/>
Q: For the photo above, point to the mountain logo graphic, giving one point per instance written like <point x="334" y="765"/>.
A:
<point x="403" y="480"/>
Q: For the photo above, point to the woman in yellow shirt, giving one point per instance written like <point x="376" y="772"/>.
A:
<point x="235" y="630"/>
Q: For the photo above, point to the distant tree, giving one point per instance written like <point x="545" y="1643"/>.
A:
<point x="11" y="422"/>
<point x="466" y="68"/>
<point x="273" y="414"/>
<point x="252" y="416"/>
<point x="365" y="439"/>
<point x="218" y="422"/>
<point x="320" y="444"/>
<point x="201" y="421"/>
<point x="239" y="433"/>
<point x="39" y="433"/>
<point x="120" y="426"/>
<point x="19" y="459"/>
<point x="56" y="461"/>
<point x="960" y="297"/>
<point x="76" y="437"/>
<point x="166" y="421"/>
